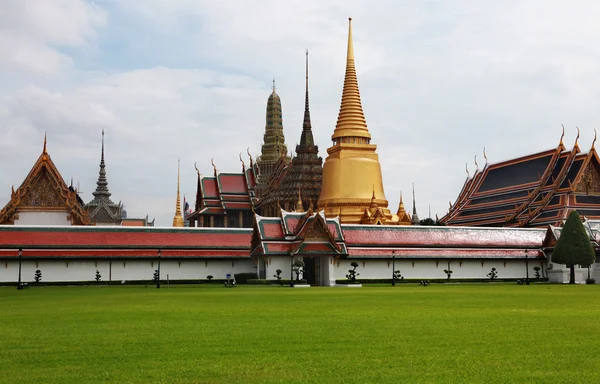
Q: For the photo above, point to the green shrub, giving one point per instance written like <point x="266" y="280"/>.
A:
<point x="242" y="278"/>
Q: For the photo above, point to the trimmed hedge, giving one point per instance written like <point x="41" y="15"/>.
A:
<point x="242" y="278"/>
<point x="274" y="282"/>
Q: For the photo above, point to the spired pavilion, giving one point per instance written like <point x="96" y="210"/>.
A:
<point x="295" y="185"/>
<point x="536" y="190"/>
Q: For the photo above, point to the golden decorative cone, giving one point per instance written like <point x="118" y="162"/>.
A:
<point x="178" y="219"/>
<point x="351" y="119"/>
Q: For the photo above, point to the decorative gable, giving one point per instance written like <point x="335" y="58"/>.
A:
<point x="44" y="190"/>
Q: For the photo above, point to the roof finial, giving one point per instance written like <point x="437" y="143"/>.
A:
<point x="476" y="165"/>
<point x="274" y="86"/>
<point x="467" y="169"/>
<point x="577" y="138"/>
<point x="485" y="156"/>
<point x="45" y="136"/>
<point x="213" y="164"/>
<point x="250" y="156"/>
<point x="594" y="142"/>
<point x="243" y="165"/>
<point x="178" y="219"/>
<point x="197" y="170"/>
<point x="563" y="134"/>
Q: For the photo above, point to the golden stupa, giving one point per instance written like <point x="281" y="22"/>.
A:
<point x="352" y="182"/>
<point x="178" y="218"/>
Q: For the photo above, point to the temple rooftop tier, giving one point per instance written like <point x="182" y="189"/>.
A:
<point x="530" y="191"/>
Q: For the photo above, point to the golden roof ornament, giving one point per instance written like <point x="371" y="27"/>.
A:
<point x="563" y="135"/>
<point x="594" y="142"/>
<point x="351" y="118"/>
<point x="178" y="219"/>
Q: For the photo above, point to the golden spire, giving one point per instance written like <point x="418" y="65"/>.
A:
<point x="45" y="136"/>
<point x="299" y="207"/>
<point x="351" y="119"/>
<point x="178" y="219"/>
<point x="594" y="142"/>
<point x="577" y="138"/>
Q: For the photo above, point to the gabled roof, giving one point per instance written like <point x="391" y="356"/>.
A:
<point x="225" y="191"/>
<point x="297" y="233"/>
<point x="533" y="190"/>
<point x="43" y="190"/>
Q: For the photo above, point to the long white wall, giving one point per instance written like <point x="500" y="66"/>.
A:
<point x="118" y="270"/>
<point x="433" y="269"/>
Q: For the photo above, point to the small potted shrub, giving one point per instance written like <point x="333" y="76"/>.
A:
<point x="493" y="275"/>
<point x="352" y="272"/>
<point x="37" y="276"/>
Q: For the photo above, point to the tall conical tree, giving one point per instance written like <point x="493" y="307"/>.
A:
<point x="573" y="246"/>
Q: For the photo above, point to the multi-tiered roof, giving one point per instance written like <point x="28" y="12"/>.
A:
<point x="531" y="191"/>
<point x="300" y="180"/>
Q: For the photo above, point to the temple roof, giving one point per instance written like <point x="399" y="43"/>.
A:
<point x="297" y="233"/>
<point x="533" y="190"/>
<point x="124" y="242"/>
<point x="44" y="190"/>
<point x="102" y="209"/>
<point x="304" y="173"/>
<point x="225" y="191"/>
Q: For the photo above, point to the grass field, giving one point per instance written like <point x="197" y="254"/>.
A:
<point x="441" y="333"/>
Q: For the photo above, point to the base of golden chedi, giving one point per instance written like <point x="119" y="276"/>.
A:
<point x="351" y="176"/>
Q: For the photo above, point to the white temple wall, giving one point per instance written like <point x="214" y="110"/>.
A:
<point x="43" y="218"/>
<point x="433" y="269"/>
<point x="275" y="263"/>
<point x="118" y="270"/>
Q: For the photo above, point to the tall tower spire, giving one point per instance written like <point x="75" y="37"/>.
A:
<point x="352" y="173"/>
<point x="307" y="137"/>
<point x="102" y="210"/>
<point x="415" y="218"/>
<point x="351" y="118"/>
<point x="101" y="192"/>
<point x="178" y="219"/>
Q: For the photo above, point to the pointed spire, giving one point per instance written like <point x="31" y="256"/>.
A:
<point x="299" y="206"/>
<point x="101" y="192"/>
<point x="373" y="202"/>
<point x="563" y="134"/>
<point x="577" y="138"/>
<point x="274" y="86"/>
<point x="351" y="119"/>
<point x="45" y="137"/>
<point x="594" y="142"/>
<point x="307" y="137"/>
<point x="415" y="218"/>
<point x="178" y="219"/>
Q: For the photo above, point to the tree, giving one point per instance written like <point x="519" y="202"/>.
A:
<point x="38" y="276"/>
<point x="573" y="246"/>
<point x="98" y="276"/>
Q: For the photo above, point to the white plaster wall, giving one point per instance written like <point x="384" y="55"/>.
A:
<point x="118" y="270"/>
<point x="275" y="263"/>
<point x="432" y="269"/>
<point x="43" y="218"/>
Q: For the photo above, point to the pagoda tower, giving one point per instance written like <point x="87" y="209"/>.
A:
<point x="273" y="148"/>
<point x="101" y="209"/>
<point x="178" y="218"/>
<point x="352" y="180"/>
<point x="305" y="173"/>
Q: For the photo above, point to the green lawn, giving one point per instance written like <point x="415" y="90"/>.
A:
<point x="501" y="333"/>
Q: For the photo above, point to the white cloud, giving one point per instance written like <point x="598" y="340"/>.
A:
<point x="31" y="31"/>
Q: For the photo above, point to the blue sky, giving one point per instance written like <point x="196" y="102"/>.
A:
<point x="190" y="78"/>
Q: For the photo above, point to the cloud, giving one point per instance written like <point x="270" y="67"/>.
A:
<point x="190" y="79"/>
<point x="31" y="32"/>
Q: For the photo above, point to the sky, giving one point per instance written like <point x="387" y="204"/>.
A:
<point x="189" y="79"/>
